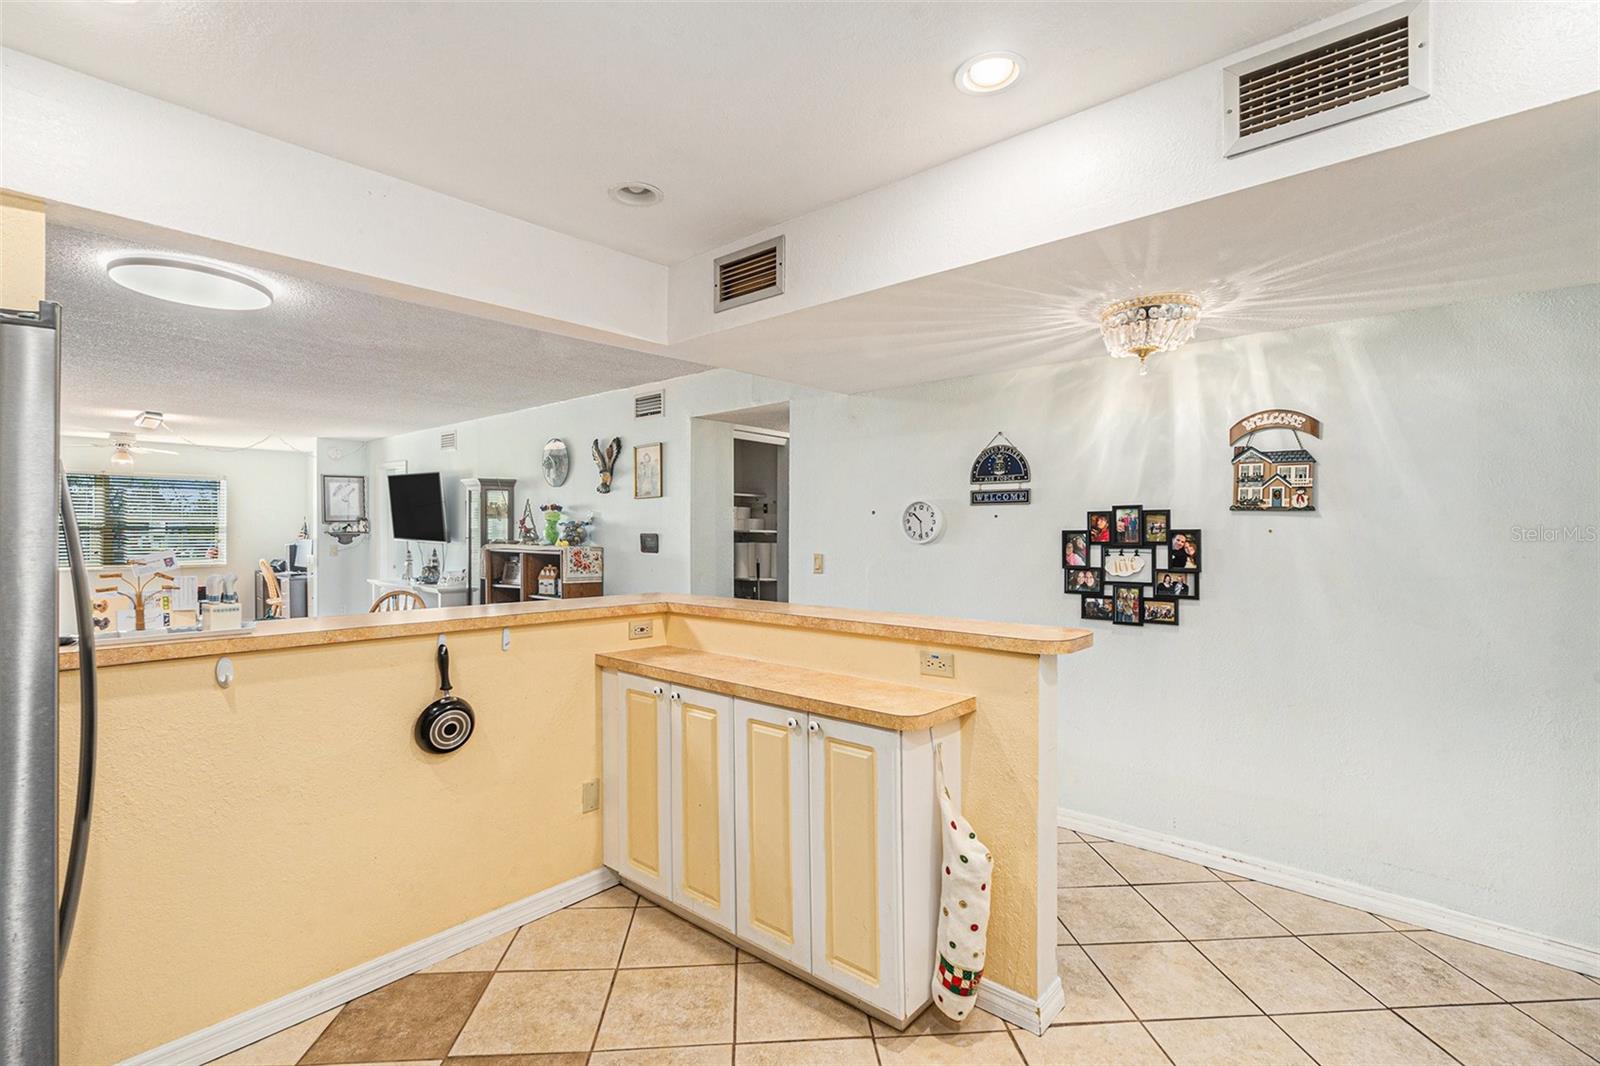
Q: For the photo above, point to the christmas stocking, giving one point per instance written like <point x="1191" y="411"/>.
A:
<point x="963" y="907"/>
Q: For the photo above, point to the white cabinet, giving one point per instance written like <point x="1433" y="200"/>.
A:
<point x="638" y="781"/>
<point x="702" y="803"/>
<point x="812" y="840"/>
<point x="772" y="835"/>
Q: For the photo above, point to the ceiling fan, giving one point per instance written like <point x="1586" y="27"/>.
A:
<point x="124" y="446"/>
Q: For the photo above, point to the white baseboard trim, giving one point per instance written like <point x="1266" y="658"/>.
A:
<point x="1388" y="904"/>
<point x="1034" y="1015"/>
<point x="236" y="1032"/>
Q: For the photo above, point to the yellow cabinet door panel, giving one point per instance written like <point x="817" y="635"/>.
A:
<point x="702" y="789"/>
<point x="772" y="835"/>
<point x="645" y="788"/>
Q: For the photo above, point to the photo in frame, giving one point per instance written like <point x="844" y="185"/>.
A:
<point x="1157" y="526"/>
<point x="1127" y="526"/>
<point x="1127" y="605"/>
<point x="648" y="483"/>
<point x="1085" y="580"/>
<point x="1160" y="612"/>
<point x="1095" y="609"/>
<point x="1175" y="584"/>
<point x="1183" y="550"/>
<point x="1099" y="523"/>
<point x="1074" y="547"/>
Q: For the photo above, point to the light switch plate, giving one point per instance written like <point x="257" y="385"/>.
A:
<point x="640" y="630"/>
<point x="591" y="796"/>
<point x="938" y="663"/>
<point x="816" y="563"/>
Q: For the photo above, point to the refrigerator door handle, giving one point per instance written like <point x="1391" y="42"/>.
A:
<point x="88" y="700"/>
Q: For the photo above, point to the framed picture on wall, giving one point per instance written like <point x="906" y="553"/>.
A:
<point x="1085" y="580"/>
<point x="1183" y="550"/>
<point x="1127" y="605"/>
<point x="1095" y="608"/>
<point x="344" y="498"/>
<point x="1157" y="525"/>
<point x="1127" y="525"/>
<point x="648" y="483"/>
<point x="1074" y="548"/>
<point x="1160" y="612"/>
<point x="1099" y="523"/>
<point x="1175" y="584"/>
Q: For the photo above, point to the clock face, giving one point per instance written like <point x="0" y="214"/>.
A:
<point x="922" y="522"/>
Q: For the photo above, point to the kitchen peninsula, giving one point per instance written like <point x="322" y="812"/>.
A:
<point x="354" y="856"/>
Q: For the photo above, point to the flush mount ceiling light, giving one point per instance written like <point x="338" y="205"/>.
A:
<point x="184" y="282"/>
<point x="988" y="73"/>
<point x="636" y="194"/>
<point x="1146" y="324"/>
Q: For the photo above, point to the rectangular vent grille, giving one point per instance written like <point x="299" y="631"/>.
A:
<point x="1349" y="71"/>
<point x="651" y="403"/>
<point x="447" y="440"/>
<point x="748" y="275"/>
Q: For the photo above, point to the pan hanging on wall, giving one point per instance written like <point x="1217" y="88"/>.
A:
<point x="447" y="722"/>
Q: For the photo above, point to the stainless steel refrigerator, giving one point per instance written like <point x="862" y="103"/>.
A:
<point x="34" y="927"/>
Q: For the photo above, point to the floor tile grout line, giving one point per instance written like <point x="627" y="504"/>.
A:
<point x="1458" y="969"/>
<point x="605" y="1004"/>
<point x="1546" y="1028"/>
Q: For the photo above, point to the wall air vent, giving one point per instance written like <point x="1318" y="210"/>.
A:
<point x="651" y="403"/>
<point x="1365" y="65"/>
<point x="748" y="275"/>
<point x="447" y="441"/>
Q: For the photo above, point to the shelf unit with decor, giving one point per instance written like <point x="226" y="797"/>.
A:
<point x="754" y="567"/>
<point x="511" y="571"/>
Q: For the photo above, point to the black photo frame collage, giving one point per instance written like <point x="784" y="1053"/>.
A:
<point x="1130" y="567"/>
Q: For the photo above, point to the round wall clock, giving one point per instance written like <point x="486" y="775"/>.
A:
<point x="922" y="522"/>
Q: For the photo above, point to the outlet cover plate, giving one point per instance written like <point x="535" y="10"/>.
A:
<point x="591" y="796"/>
<point x="938" y="663"/>
<point x="641" y="630"/>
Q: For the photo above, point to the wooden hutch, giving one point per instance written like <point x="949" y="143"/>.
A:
<point x="511" y="571"/>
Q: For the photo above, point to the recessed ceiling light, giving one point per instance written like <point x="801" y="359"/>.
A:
<point x="988" y="73"/>
<point x="636" y="194"/>
<point x="185" y="282"/>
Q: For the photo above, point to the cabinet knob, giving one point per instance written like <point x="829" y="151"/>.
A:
<point x="677" y="696"/>
<point x="816" y="726"/>
<point x="658" y="690"/>
<point x="793" y="723"/>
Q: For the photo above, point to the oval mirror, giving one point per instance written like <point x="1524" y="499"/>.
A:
<point x="556" y="463"/>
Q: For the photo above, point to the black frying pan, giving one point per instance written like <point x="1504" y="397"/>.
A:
<point x="447" y="722"/>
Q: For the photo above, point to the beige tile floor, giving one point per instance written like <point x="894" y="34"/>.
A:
<point x="1163" y="961"/>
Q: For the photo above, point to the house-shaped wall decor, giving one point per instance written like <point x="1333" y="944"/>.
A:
<point x="1273" y="479"/>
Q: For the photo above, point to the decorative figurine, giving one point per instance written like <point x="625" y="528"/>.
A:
<point x="607" y="461"/>
<point x="430" y="571"/>
<point x="526" y="531"/>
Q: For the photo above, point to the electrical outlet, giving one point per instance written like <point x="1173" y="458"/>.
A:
<point x="640" y="630"/>
<point x="591" y="796"/>
<point x="939" y="663"/>
<point x="816" y="563"/>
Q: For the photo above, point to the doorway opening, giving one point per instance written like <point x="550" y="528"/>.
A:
<point x="743" y="484"/>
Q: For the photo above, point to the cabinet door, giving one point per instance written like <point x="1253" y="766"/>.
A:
<point x="702" y="796"/>
<point x="644" y="800"/>
<point x="855" y="860"/>
<point x="771" y="829"/>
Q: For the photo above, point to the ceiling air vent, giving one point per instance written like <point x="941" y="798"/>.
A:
<point x="651" y="403"/>
<point x="750" y="274"/>
<point x="1354" y="69"/>
<point x="447" y="441"/>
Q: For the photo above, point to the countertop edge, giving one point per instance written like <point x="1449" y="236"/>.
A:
<point x="1020" y="638"/>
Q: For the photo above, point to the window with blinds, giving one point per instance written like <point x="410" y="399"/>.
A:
<point x="126" y="516"/>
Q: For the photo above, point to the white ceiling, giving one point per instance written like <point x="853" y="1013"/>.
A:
<point x="744" y="114"/>
<point x="323" y="360"/>
<point x="1502" y="207"/>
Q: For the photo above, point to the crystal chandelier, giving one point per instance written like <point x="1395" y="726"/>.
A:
<point x="1145" y="324"/>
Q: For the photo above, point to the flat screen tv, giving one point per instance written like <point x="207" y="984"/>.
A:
<point x="416" y="507"/>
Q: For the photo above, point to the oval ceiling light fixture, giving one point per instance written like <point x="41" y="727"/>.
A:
<point x="636" y="194"/>
<point x="988" y="73"/>
<point x="181" y="281"/>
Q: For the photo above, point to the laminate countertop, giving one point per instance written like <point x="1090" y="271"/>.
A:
<point x="853" y="699"/>
<point x="310" y="632"/>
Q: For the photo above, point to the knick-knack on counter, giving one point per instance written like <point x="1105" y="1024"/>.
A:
<point x="527" y="531"/>
<point x="552" y="522"/>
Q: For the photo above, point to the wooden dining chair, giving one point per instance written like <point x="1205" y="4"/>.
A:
<point x="398" y="600"/>
<point x="269" y="582"/>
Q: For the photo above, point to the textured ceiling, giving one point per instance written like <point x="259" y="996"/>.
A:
<point x="1506" y="206"/>
<point x="744" y="114"/>
<point x="322" y="361"/>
